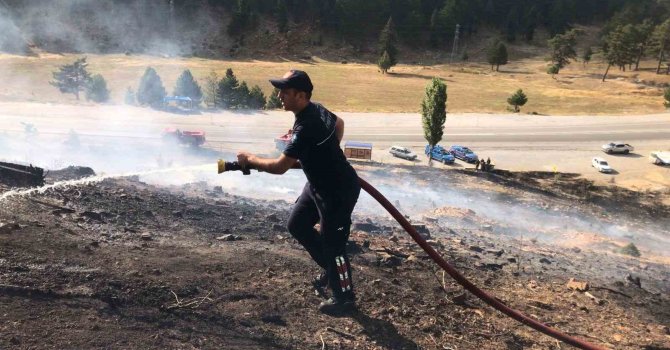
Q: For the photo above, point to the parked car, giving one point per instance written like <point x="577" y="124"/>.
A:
<point x="402" y="152"/>
<point x="660" y="157"/>
<point x="617" y="147"/>
<point x="601" y="165"/>
<point x="463" y="153"/>
<point x="440" y="154"/>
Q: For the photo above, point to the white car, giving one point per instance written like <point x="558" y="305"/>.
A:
<point x="617" y="147"/>
<point x="402" y="152"/>
<point x="601" y="165"/>
<point x="660" y="157"/>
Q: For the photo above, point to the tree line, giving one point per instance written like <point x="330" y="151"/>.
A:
<point x="433" y="22"/>
<point x="227" y="92"/>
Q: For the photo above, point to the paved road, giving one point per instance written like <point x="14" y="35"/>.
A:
<point x="122" y="121"/>
<point x="518" y="142"/>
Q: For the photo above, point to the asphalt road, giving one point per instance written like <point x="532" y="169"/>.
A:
<point x="516" y="142"/>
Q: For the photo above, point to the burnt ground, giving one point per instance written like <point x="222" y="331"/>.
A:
<point x="122" y="264"/>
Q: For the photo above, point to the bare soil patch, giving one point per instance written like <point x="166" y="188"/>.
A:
<point x="123" y="264"/>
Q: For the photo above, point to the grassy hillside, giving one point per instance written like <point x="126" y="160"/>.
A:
<point x="472" y="87"/>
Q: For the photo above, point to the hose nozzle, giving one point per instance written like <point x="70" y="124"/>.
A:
<point x="223" y="166"/>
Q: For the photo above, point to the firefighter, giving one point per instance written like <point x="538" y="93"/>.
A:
<point x="331" y="191"/>
<point x="477" y="165"/>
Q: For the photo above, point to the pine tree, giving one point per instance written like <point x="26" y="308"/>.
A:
<point x="96" y="89"/>
<point x="384" y="62"/>
<point x="151" y="91"/>
<point x="496" y="54"/>
<point x="619" y="48"/>
<point x="282" y="16"/>
<point x="256" y="98"/>
<point x="226" y="91"/>
<point x="434" y="38"/>
<point x="434" y="111"/>
<point x="72" y="78"/>
<point x="660" y="42"/>
<point x="553" y="70"/>
<point x="274" y="102"/>
<point x="562" y="48"/>
<point x="387" y="42"/>
<point x="586" y="56"/>
<point x="666" y="95"/>
<point x="211" y="87"/>
<point x="187" y="86"/>
<point x="642" y="37"/>
<point x="241" y="17"/>
<point x="517" y="99"/>
<point x="242" y="93"/>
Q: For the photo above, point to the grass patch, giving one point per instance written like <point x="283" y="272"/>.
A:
<point x="471" y="87"/>
<point x="631" y="250"/>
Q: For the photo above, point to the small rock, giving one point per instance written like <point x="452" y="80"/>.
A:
<point x="512" y="260"/>
<point x="577" y="285"/>
<point x="278" y="227"/>
<point x="272" y="217"/>
<point x="545" y="261"/>
<point x="93" y="215"/>
<point x="394" y="238"/>
<point x="177" y="213"/>
<point x="7" y="228"/>
<point x="460" y="299"/>
<point x="146" y="236"/>
<point x="228" y="237"/>
<point x="634" y="280"/>
<point x="475" y="248"/>
<point x="274" y="319"/>
<point x="489" y="266"/>
<point x="434" y="243"/>
<point x="496" y="252"/>
<point x="389" y="260"/>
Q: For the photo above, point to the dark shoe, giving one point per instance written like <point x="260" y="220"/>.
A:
<point x="337" y="306"/>
<point x="320" y="281"/>
<point x="320" y="285"/>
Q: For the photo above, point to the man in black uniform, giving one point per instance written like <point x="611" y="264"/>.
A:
<point x="331" y="191"/>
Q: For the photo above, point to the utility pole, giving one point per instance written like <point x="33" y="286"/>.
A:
<point x="455" y="47"/>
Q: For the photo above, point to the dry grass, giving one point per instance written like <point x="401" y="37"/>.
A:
<point x="360" y="87"/>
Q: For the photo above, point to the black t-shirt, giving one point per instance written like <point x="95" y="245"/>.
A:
<point x="315" y="144"/>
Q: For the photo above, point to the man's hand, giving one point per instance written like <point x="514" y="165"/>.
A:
<point x="245" y="159"/>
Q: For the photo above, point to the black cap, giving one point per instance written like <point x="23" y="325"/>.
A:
<point x="294" y="79"/>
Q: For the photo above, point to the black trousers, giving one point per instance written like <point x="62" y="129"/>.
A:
<point x="327" y="247"/>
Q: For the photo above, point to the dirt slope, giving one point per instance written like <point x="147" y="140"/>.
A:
<point x="122" y="264"/>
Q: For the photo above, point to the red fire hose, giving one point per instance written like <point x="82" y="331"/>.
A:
<point x="464" y="281"/>
<point x="530" y="322"/>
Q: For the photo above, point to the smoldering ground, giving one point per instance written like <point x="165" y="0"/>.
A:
<point x="419" y="193"/>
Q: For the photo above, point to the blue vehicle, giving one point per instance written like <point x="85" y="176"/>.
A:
<point x="463" y="153"/>
<point x="440" y="154"/>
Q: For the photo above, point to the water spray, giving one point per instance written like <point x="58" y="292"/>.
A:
<point x="98" y="178"/>
<point x="224" y="166"/>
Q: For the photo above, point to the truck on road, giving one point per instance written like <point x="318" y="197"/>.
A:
<point x="187" y="138"/>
